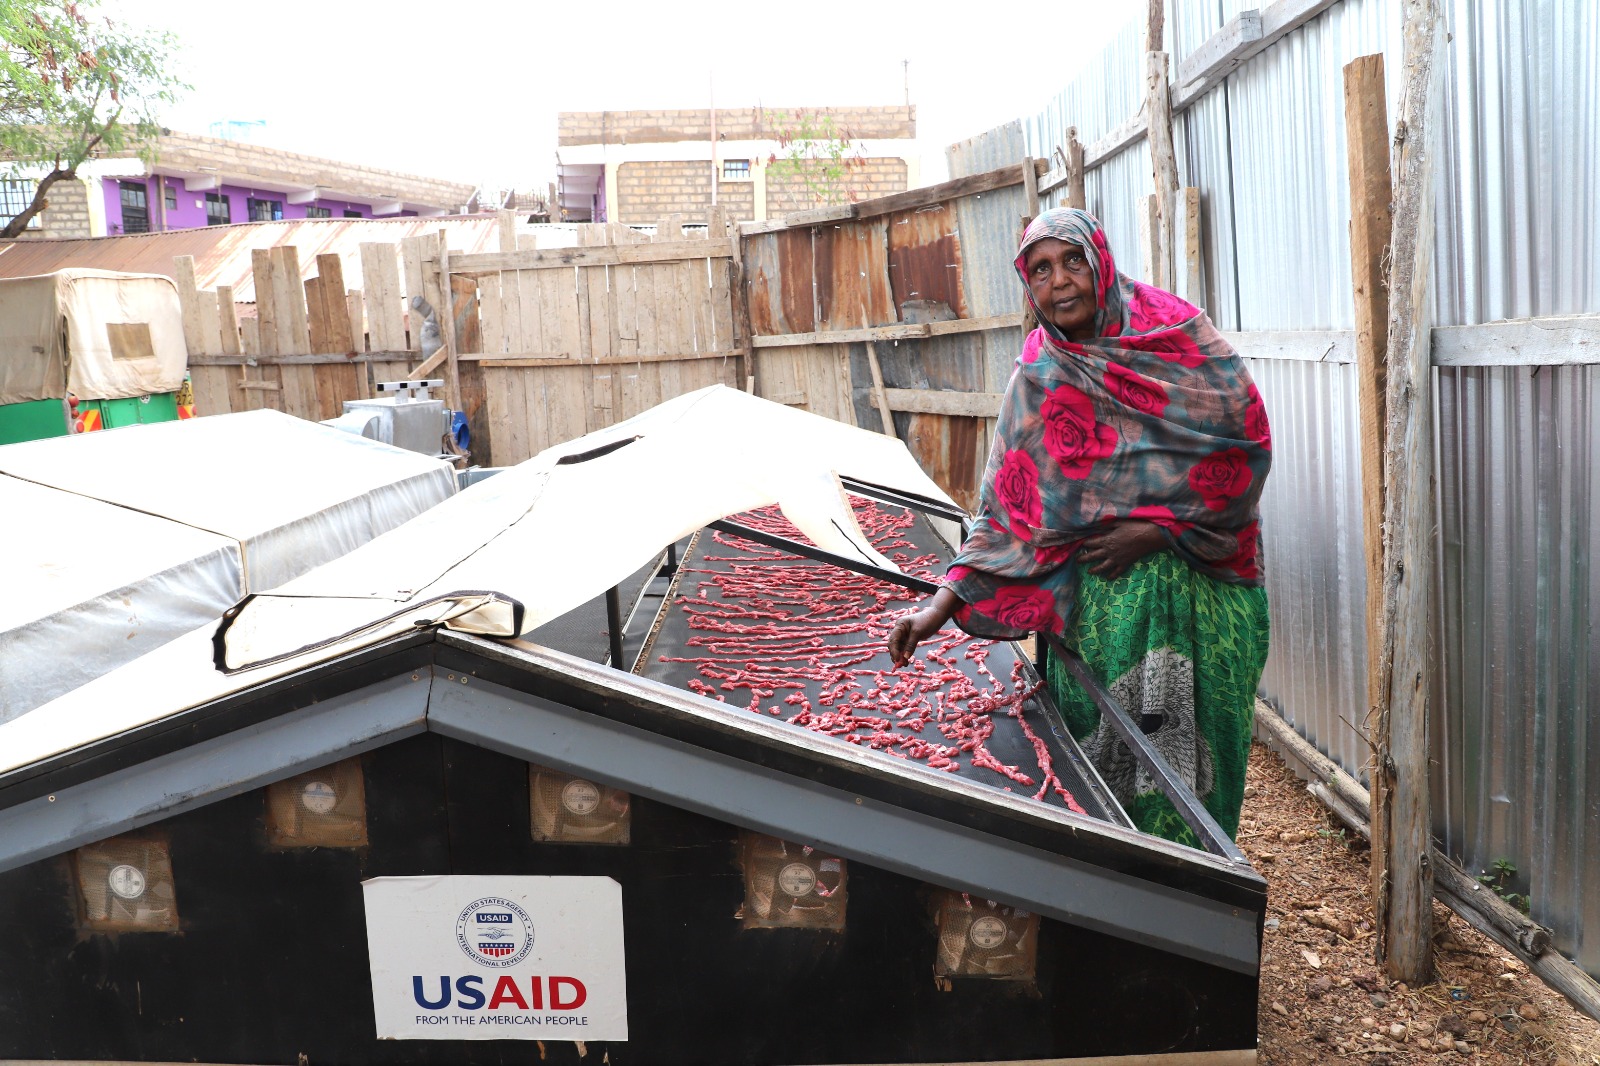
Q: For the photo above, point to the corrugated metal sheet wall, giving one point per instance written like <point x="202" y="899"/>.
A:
<point x="1316" y="563"/>
<point x="1516" y="736"/>
<point x="1517" y="223"/>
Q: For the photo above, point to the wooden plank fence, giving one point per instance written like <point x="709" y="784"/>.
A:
<point x="865" y="313"/>
<point x="576" y="339"/>
<point x="869" y="313"/>
<point x="543" y="346"/>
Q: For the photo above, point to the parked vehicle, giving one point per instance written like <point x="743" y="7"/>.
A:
<point x="82" y="350"/>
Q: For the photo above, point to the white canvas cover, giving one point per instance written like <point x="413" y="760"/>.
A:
<point x="122" y="540"/>
<point x="292" y="493"/>
<point x="90" y="585"/>
<point x="548" y="535"/>
<point x="98" y="334"/>
<point x="551" y="535"/>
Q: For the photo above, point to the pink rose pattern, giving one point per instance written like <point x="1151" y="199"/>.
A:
<point x="1256" y="427"/>
<point x="1031" y="346"/>
<point x="1246" y="559"/>
<point x="1138" y="392"/>
<point x="1221" y="477"/>
<point x="1016" y="486"/>
<point x="1155" y="419"/>
<point x="1026" y="607"/>
<point x="1073" y="437"/>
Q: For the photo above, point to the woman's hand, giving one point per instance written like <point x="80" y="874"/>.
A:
<point x="1110" y="554"/>
<point x="913" y="629"/>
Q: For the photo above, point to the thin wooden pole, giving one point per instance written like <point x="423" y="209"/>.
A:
<point x="1371" y="221"/>
<point x="1193" y="288"/>
<point x="1164" y="167"/>
<point x="1163" y="157"/>
<point x="1076" y="196"/>
<point x="445" y="310"/>
<point x="878" y="392"/>
<point x="1405" y="941"/>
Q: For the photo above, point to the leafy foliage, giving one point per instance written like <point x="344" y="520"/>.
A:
<point x="813" y="148"/>
<point x="75" y="84"/>
<point x="1500" y="881"/>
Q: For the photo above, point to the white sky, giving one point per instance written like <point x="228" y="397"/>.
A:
<point x="475" y="99"/>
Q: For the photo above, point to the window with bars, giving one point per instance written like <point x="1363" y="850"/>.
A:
<point x="171" y="198"/>
<point x="353" y="214"/>
<point x="319" y="212"/>
<point x="736" y="170"/>
<point x="15" y="196"/>
<point x="218" y="212"/>
<point x="135" y="197"/>
<point x="264" y="210"/>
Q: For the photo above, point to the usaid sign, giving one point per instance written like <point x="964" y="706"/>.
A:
<point x="497" y="958"/>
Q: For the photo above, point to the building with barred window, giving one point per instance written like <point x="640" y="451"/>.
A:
<point x="638" y="167"/>
<point x="209" y="181"/>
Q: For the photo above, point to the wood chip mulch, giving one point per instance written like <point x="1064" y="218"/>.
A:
<point x="1323" y="999"/>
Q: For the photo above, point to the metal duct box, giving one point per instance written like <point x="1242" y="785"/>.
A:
<point x="415" y="425"/>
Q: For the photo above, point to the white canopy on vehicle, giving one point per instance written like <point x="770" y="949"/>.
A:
<point x="119" y="541"/>
<point x="98" y="334"/>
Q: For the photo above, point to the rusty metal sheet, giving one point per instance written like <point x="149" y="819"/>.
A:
<point x="796" y="262"/>
<point x="779" y="283"/>
<point x="925" y="264"/>
<point x="763" y="284"/>
<point x="852" y="272"/>
<point x="949" y="448"/>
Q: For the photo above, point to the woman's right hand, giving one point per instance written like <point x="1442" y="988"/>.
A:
<point x="915" y="628"/>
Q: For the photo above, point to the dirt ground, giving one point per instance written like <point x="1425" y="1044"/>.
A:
<point x="1322" y="998"/>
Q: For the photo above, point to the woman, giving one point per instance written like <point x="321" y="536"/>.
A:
<point x="1119" y="511"/>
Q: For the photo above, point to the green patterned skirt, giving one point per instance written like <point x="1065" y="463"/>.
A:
<point x="1183" y="653"/>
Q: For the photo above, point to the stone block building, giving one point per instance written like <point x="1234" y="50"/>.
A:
<point x="638" y="167"/>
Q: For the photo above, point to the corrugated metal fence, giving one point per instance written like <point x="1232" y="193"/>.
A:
<point x="1517" y="682"/>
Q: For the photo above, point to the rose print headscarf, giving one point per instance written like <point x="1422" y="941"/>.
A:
<point x="1156" y="418"/>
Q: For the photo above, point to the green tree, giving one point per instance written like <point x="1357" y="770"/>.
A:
<point x="75" y="84"/>
<point x="823" y="156"/>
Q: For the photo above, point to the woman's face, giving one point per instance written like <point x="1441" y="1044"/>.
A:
<point x="1063" y="286"/>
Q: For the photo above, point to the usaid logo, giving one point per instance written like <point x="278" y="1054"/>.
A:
<point x="495" y="932"/>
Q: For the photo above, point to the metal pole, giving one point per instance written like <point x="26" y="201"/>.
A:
<point x="614" y="625"/>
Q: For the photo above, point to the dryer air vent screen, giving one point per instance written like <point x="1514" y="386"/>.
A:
<point x="790" y="886"/>
<point x="981" y="938"/>
<point x="326" y="807"/>
<point x="127" y="884"/>
<point x="574" y="810"/>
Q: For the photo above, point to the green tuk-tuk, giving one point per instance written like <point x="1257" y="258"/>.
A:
<point x="82" y="350"/>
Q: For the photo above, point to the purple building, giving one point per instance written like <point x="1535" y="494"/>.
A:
<point x="203" y="181"/>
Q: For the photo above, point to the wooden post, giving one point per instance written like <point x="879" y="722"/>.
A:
<point x="506" y="226"/>
<point x="1367" y="135"/>
<point x="1155" y="27"/>
<point x="1405" y="941"/>
<point x="1030" y="188"/>
<point x="189" y="304"/>
<point x="445" y="309"/>
<point x="227" y="320"/>
<point x="1193" y="288"/>
<point x="289" y="294"/>
<point x="1163" y="159"/>
<point x="262" y="268"/>
<point x="1075" y="192"/>
<point x="739" y="289"/>
<point x="878" y="392"/>
<point x="1150" y="237"/>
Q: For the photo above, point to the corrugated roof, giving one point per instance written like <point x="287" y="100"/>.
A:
<point x="222" y="253"/>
